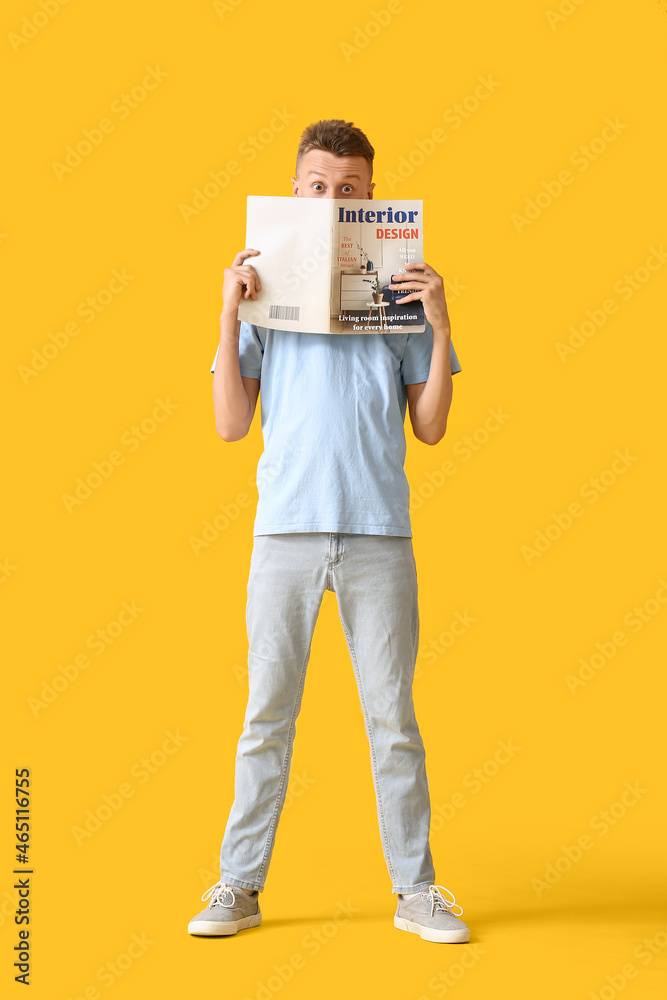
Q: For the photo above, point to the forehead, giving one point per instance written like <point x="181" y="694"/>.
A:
<point x="342" y="167"/>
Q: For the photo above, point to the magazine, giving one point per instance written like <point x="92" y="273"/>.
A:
<point x="325" y="264"/>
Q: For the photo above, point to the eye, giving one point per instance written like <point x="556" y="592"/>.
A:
<point x="317" y="185"/>
<point x="349" y="188"/>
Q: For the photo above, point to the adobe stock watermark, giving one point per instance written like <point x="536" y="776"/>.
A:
<point x="210" y="876"/>
<point x="473" y="782"/>
<point x="104" y="468"/>
<point x="563" y="13"/>
<point x="454" y="288"/>
<point x="626" y="287"/>
<point x="122" y="107"/>
<point x="268" y="472"/>
<point x="581" y="158"/>
<point x="311" y="945"/>
<point x="32" y="24"/>
<point x="8" y="908"/>
<point x="88" y="309"/>
<point x="464" y="449"/>
<point x="110" y="972"/>
<point x="440" y="984"/>
<point x="644" y="952"/>
<point x="213" y="528"/>
<point x="601" y="824"/>
<point x="364" y="34"/>
<point x="592" y="490"/>
<point x="605" y="651"/>
<point x="224" y="7"/>
<point x="98" y="642"/>
<point x="454" y="117"/>
<point x="247" y="151"/>
<point x="141" y="771"/>
<point x="7" y="569"/>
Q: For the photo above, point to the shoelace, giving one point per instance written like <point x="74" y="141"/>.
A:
<point x="218" y="890"/>
<point x="438" y="901"/>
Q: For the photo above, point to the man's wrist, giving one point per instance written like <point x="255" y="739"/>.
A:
<point x="230" y="324"/>
<point x="441" y="329"/>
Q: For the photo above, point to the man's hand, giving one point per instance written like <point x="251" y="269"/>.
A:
<point x="429" y="288"/>
<point x="240" y="281"/>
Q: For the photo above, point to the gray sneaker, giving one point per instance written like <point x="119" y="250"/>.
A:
<point x="230" y="909"/>
<point x="432" y="916"/>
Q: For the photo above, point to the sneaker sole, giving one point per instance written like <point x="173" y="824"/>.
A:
<point x="216" y="928"/>
<point x="431" y="933"/>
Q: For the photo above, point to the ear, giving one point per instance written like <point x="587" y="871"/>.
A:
<point x="370" y="191"/>
<point x="295" y="187"/>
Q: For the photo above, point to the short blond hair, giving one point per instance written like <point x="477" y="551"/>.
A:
<point x="336" y="136"/>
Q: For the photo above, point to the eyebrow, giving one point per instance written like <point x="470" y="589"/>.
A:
<point x="320" y="174"/>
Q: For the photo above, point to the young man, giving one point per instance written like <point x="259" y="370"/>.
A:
<point x="332" y="515"/>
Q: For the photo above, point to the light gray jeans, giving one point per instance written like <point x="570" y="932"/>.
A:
<point x="374" y="578"/>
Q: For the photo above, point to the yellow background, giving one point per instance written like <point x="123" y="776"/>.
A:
<point x="179" y="666"/>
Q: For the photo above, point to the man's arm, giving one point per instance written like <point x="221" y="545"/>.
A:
<point x="429" y="402"/>
<point x="234" y="395"/>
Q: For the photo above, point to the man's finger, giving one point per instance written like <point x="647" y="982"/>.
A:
<point x="409" y="283"/>
<point x="422" y="265"/>
<point x="249" y="272"/>
<point x="249" y="279"/>
<point x="425" y="270"/>
<point x="409" y="276"/>
<point x="242" y="254"/>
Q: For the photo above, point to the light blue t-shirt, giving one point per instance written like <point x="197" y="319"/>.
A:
<point x="333" y="410"/>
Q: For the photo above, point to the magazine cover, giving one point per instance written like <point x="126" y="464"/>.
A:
<point x="326" y="264"/>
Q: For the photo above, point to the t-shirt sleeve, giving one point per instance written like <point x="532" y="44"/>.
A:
<point x="251" y="351"/>
<point x="416" y="362"/>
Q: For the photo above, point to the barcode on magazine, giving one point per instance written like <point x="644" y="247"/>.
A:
<point x="284" y="312"/>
